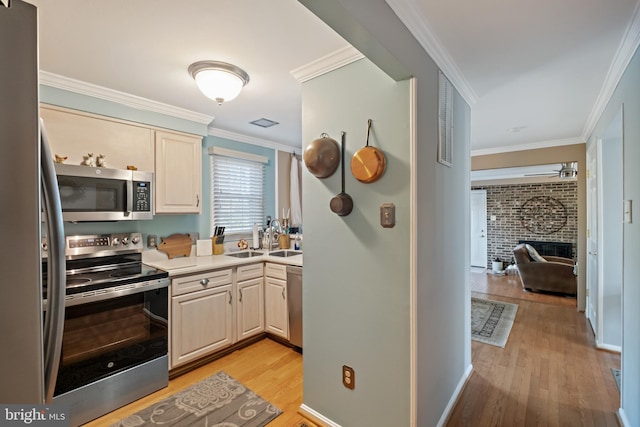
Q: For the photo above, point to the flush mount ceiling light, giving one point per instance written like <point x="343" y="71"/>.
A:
<point x="219" y="81"/>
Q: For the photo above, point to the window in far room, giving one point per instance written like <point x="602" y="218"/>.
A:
<point x="237" y="190"/>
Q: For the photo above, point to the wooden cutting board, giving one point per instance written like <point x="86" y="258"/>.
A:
<point x="176" y="245"/>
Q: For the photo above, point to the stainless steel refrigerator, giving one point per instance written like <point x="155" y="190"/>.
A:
<point x="30" y="340"/>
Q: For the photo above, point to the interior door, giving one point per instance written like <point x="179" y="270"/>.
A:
<point x="479" y="228"/>
<point x="592" y="239"/>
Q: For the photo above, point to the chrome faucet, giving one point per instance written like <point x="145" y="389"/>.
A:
<point x="273" y="229"/>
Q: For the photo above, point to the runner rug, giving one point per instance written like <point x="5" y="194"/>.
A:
<point x="491" y="321"/>
<point x="218" y="400"/>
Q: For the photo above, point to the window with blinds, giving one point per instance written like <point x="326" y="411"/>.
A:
<point x="237" y="190"/>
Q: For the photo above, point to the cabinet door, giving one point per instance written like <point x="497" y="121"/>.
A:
<point x="276" y="311"/>
<point x="178" y="173"/>
<point x="202" y="322"/>
<point x="250" y="308"/>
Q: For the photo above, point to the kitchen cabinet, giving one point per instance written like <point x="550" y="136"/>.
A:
<point x="178" y="168"/>
<point x="275" y="296"/>
<point x="201" y="315"/>
<point x="250" y="300"/>
<point x="74" y="134"/>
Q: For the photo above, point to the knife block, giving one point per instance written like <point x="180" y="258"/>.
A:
<point x="218" y="248"/>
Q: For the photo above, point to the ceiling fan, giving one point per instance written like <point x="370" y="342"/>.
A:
<point x="566" y="171"/>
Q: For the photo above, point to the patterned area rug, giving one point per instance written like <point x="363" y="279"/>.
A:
<point x="218" y="401"/>
<point x="491" y="321"/>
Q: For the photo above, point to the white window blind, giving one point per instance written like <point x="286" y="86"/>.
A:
<point x="237" y="191"/>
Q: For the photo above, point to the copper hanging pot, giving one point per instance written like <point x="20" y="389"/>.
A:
<point x="322" y="156"/>
<point x="368" y="163"/>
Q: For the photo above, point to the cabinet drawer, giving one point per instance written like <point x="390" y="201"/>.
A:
<point x="198" y="282"/>
<point x="279" y="271"/>
<point x="251" y="271"/>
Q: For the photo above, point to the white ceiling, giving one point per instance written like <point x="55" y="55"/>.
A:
<point x="541" y="69"/>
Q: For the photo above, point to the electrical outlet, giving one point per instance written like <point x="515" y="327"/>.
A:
<point x="152" y="241"/>
<point x="348" y="377"/>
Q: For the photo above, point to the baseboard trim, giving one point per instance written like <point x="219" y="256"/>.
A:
<point x="316" y="417"/>
<point x="456" y="396"/>
<point x="622" y="417"/>
<point x="609" y="348"/>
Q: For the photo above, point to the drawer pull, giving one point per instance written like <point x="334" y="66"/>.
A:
<point x="204" y="282"/>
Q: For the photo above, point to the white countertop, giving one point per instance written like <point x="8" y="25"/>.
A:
<point x="197" y="264"/>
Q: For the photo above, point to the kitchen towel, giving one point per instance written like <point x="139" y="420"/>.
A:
<point x="294" y="196"/>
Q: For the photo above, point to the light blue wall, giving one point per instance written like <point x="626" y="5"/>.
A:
<point x="356" y="273"/>
<point x="161" y="225"/>
<point x="627" y="93"/>
<point x="440" y="212"/>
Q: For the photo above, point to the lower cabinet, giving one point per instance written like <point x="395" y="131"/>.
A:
<point x="201" y="321"/>
<point x="275" y="300"/>
<point x="250" y="301"/>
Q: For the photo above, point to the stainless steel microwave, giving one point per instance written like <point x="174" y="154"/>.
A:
<point x="101" y="194"/>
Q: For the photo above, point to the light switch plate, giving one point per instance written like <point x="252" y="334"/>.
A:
<point x="387" y="215"/>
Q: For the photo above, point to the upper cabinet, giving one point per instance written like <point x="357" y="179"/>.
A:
<point x="178" y="173"/>
<point x="74" y="134"/>
<point x="175" y="158"/>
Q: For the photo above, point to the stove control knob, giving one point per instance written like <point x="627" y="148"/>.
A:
<point x="115" y="241"/>
<point x="125" y="240"/>
<point x="135" y="240"/>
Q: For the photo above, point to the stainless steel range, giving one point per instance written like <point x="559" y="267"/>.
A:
<point x="114" y="346"/>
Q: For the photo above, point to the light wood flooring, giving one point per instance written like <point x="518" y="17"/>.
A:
<point x="270" y="369"/>
<point x="548" y="374"/>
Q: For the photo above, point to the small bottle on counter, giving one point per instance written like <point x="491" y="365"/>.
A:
<point x="297" y="242"/>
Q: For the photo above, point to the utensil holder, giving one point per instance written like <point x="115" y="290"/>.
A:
<point x="284" y="241"/>
<point x="218" y="248"/>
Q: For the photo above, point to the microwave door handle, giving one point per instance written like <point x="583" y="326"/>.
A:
<point x="129" y="198"/>
<point x="54" y="317"/>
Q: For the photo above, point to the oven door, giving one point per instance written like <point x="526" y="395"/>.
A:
<point x="105" y="337"/>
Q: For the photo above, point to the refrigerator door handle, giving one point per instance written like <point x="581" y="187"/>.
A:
<point x="56" y="273"/>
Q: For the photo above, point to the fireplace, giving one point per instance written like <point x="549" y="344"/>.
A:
<point x="561" y="249"/>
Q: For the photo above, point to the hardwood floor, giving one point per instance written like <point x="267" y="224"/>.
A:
<point x="548" y="374"/>
<point x="270" y="369"/>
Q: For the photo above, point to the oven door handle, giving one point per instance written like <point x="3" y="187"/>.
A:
<point x="56" y="268"/>
<point x="111" y="293"/>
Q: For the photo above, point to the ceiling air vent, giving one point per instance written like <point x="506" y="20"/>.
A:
<point x="264" y="123"/>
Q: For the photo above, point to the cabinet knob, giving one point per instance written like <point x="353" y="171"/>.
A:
<point x="204" y="282"/>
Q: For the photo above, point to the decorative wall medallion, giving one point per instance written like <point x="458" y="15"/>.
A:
<point x="543" y="215"/>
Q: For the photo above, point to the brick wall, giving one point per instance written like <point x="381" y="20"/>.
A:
<point x="504" y="202"/>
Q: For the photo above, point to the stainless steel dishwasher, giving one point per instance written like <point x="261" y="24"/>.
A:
<point x="294" y="300"/>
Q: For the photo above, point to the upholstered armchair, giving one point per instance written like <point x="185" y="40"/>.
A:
<point x="549" y="273"/>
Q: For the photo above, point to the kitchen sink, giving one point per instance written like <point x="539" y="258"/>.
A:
<point x="247" y="254"/>
<point x="285" y="253"/>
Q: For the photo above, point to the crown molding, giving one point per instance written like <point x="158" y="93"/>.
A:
<point x="100" y="92"/>
<point x="327" y="63"/>
<point x="234" y="136"/>
<point x="624" y="54"/>
<point x="529" y="146"/>
<point x="409" y="13"/>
